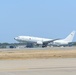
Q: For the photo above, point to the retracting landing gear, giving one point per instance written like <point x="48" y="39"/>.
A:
<point x="29" y="45"/>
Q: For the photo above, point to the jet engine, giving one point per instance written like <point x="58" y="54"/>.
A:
<point x="39" y="42"/>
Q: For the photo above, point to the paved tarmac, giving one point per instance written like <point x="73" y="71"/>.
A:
<point x="57" y="66"/>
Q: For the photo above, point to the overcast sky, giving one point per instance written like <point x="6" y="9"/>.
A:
<point x="42" y="18"/>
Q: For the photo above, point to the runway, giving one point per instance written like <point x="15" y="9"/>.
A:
<point x="59" y="66"/>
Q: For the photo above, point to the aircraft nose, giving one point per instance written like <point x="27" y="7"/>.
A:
<point x="15" y="38"/>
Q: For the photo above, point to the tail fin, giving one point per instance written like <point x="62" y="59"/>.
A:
<point x="70" y="37"/>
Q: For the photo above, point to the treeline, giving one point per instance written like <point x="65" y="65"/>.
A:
<point x="13" y="45"/>
<point x="6" y="45"/>
<point x="74" y="43"/>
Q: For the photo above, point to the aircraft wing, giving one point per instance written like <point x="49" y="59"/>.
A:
<point x="50" y="41"/>
<point x="45" y="43"/>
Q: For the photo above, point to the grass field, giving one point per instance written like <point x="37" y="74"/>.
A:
<point x="31" y="54"/>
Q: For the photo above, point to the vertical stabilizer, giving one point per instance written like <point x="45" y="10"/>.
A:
<point x="70" y="37"/>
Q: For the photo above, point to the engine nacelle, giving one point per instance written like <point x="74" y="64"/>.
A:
<point x="39" y="42"/>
